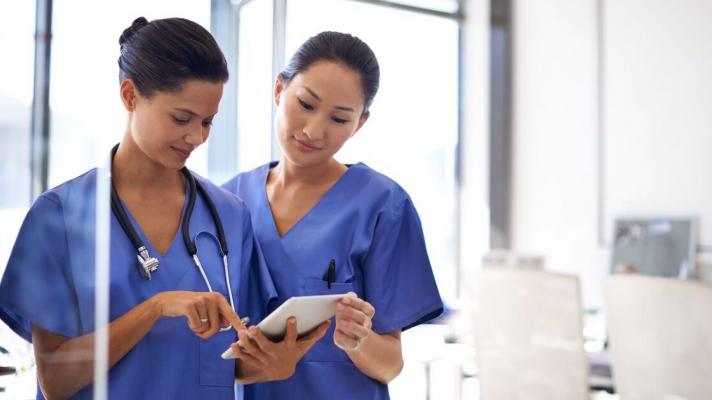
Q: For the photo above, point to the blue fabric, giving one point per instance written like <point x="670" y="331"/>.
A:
<point x="49" y="282"/>
<point x="369" y="226"/>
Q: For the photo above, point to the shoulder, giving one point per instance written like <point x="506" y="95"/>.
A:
<point x="242" y="182"/>
<point x="224" y="200"/>
<point x="375" y="187"/>
<point x="49" y="210"/>
<point x="83" y="185"/>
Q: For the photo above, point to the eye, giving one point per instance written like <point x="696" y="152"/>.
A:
<point x="208" y="123"/>
<point x="305" y="105"/>
<point x="339" y="121"/>
<point x="180" y="121"/>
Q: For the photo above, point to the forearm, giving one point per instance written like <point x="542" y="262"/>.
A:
<point x="65" y="369"/>
<point x="379" y="356"/>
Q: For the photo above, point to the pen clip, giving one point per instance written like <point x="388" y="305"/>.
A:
<point x="331" y="273"/>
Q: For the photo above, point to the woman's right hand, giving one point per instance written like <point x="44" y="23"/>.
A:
<point x="206" y="312"/>
<point x="263" y="360"/>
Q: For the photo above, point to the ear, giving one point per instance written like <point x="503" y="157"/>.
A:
<point x="362" y="120"/>
<point x="129" y="93"/>
<point x="279" y="86"/>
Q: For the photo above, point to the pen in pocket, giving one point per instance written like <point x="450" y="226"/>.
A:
<point x="331" y="273"/>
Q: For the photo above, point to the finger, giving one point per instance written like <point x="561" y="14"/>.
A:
<point x="354" y="330"/>
<point x="290" y="338"/>
<point x="369" y="310"/>
<point x="350" y="313"/>
<point x="203" y="314"/>
<point x="348" y="298"/>
<point x="193" y="319"/>
<point x="346" y="333"/>
<point x="244" y="356"/>
<point x="236" y="352"/>
<point x="361" y="305"/>
<point x="214" y="316"/>
<point x="260" y="339"/>
<point x="343" y="341"/>
<point x="228" y="313"/>
<point x="248" y="344"/>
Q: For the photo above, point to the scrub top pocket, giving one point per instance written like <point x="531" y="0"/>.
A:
<point x="214" y="371"/>
<point x="313" y="287"/>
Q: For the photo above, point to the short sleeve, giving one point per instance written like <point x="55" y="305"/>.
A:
<point x="398" y="278"/>
<point x="35" y="287"/>
<point x="256" y="286"/>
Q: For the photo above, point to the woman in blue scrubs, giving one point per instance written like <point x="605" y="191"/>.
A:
<point x="327" y="228"/>
<point x="171" y="80"/>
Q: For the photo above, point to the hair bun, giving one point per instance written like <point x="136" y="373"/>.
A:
<point x="138" y="23"/>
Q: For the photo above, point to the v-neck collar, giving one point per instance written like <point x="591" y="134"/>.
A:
<point x="295" y="225"/>
<point x="139" y="231"/>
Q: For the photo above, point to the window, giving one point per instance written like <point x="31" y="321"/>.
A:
<point x="411" y="135"/>
<point x="87" y="114"/>
<point x="254" y="84"/>
<point x="17" y="34"/>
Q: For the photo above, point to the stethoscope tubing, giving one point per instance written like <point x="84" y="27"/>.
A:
<point x="144" y="257"/>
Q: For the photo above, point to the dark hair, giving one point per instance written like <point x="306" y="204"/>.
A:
<point x="162" y="54"/>
<point x="338" y="47"/>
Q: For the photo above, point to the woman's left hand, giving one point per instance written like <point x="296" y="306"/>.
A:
<point x="353" y="322"/>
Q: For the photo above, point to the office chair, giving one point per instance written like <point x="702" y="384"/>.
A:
<point x="660" y="333"/>
<point x="528" y="336"/>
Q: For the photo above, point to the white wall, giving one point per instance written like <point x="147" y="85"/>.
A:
<point x="658" y="114"/>
<point x="554" y="171"/>
<point x="657" y="93"/>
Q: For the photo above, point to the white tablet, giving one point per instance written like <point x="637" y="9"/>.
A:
<point x="310" y="312"/>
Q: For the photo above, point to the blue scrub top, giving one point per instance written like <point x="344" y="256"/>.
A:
<point x="49" y="282"/>
<point x="368" y="225"/>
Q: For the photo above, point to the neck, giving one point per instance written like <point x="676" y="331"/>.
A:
<point x="134" y="171"/>
<point x="286" y="173"/>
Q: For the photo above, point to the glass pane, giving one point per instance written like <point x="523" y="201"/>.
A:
<point x="87" y="114"/>
<point x="255" y="80"/>
<point x="449" y="6"/>
<point x="17" y="33"/>
<point x="411" y="135"/>
<point x="58" y="235"/>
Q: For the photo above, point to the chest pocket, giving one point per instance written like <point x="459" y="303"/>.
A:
<point x="313" y="286"/>
<point x="214" y="371"/>
<point x="325" y="349"/>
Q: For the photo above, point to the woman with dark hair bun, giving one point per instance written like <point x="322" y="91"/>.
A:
<point x="328" y="228"/>
<point x="171" y="255"/>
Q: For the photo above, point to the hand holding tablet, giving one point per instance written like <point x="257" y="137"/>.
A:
<point x="309" y="311"/>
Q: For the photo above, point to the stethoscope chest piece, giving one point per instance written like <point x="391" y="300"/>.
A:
<point x="146" y="264"/>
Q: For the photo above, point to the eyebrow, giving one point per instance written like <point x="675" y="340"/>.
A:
<point x="185" y="110"/>
<point x="316" y="96"/>
<point x="193" y="113"/>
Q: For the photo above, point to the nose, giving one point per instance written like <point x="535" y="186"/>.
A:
<point x="197" y="135"/>
<point x="314" y="129"/>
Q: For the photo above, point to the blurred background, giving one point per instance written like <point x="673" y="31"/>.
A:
<point x="558" y="152"/>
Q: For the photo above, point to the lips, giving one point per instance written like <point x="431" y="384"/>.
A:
<point x="182" y="152"/>
<point x="305" y="146"/>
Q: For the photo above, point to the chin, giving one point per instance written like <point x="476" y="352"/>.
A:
<point x="173" y="164"/>
<point x="302" y="160"/>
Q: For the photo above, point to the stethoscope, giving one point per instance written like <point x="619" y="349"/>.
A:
<point x="148" y="265"/>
